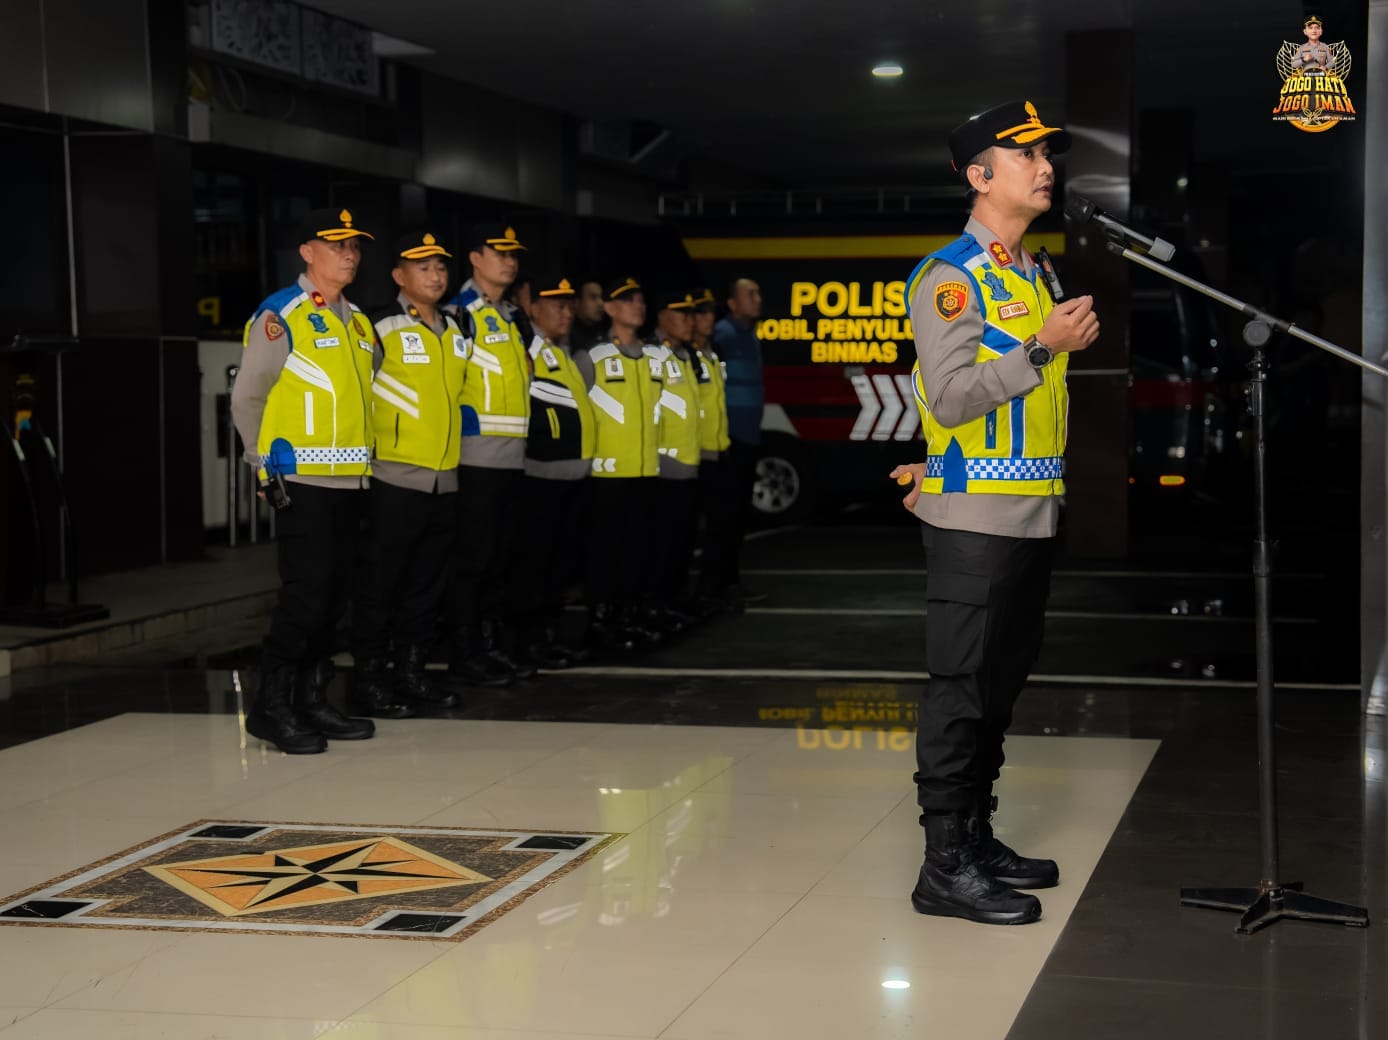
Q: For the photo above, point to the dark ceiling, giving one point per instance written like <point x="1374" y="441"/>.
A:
<point x="782" y="87"/>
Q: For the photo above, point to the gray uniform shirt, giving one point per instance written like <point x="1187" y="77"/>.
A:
<point x="959" y="390"/>
<point x="402" y="474"/>
<point x="261" y="364"/>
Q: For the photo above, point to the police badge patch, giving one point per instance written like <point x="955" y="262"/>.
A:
<point x="950" y="300"/>
<point x="273" y="329"/>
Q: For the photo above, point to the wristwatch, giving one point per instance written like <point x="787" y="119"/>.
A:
<point x="1038" y="354"/>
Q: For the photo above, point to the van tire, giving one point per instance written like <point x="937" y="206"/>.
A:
<point x="784" y="489"/>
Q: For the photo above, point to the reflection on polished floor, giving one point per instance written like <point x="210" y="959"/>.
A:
<point x="753" y="863"/>
<point x="754" y="781"/>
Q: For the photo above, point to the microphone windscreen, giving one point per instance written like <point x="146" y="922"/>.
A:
<point x="1078" y="209"/>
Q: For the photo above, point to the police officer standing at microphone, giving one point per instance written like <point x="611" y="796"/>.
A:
<point x="415" y="395"/>
<point x="992" y="349"/>
<point x="302" y="406"/>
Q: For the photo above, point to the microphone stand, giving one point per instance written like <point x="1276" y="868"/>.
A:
<point x="1272" y="899"/>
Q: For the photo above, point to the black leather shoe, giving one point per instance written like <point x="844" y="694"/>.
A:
<point x="953" y="884"/>
<point x="314" y="711"/>
<point x="412" y="681"/>
<point x="374" y="692"/>
<point x="272" y="718"/>
<point x="1006" y="865"/>
<point x="471" y="665"/>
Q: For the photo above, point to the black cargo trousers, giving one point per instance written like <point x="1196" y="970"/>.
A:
<point x="986" y="611"/>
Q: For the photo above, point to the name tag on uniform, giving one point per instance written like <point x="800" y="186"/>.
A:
<point x="366" y="346"/>
<point x="412" y="342"/>
<point x="327" y="341"/>
<point x="415" y="359"/>
<point x="1013" y="310"/>
<point x="459" y="347"/>
<point x="612" y="368"/>
<point x="496" y="337"/>
<point x="674" y="372"/>
<point x="655" y="368"/>
<point x="547" y="356"/>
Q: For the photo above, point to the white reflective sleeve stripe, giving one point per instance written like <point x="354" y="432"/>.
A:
<point x="308" y="412"/>
<point x="674" y="402"/>
<point x="609" y="404"/>
<point x="403" y="389"/>
<point x="390" y="397"/>
<point x="552" y="394"/>
<point x="308" y="371"/>
<point x="486" y="390"/>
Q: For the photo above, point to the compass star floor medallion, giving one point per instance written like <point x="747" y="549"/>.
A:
<point x="410" y="882"/>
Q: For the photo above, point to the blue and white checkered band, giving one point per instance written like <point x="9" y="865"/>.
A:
<point x="1049" y="468"/>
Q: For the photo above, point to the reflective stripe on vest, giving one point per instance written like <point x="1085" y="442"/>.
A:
<point x="317" y="415"/>
<point x="679" y="406"/>
<point x="626" y="404"/>
<point x="416" y="392"/>
<point x="1017" y="448"/>
<point x="496" y="393"/>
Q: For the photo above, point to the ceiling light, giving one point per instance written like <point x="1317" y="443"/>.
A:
<point x="896" y="984"/>
<point x="887" y="70"/>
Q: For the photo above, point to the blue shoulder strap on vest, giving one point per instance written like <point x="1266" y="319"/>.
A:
<point x="956" y="254"/>
<point x="276" y="301"/>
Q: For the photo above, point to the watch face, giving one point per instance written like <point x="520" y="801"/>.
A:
<point x="1039" y="355"/>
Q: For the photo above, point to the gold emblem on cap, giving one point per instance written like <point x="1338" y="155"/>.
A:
<point x="564" y="285"/>
<point x="346" y="218"/>
<point x="429" y="239"/>
<point x="511" y="234"/>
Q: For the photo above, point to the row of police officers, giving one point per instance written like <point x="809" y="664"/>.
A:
<point x="486" y="461"/>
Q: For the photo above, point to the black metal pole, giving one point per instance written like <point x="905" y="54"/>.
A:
<point x="1262" y="611"/>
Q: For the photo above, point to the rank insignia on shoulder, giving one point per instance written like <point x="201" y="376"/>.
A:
<point x="318" y="300"/>
<point x="950" y="300"/>
<point x="1000" y="254"/>
<point x="273" y="329"/>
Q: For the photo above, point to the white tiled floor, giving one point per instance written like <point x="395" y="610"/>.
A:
<point x="761" y="891"/>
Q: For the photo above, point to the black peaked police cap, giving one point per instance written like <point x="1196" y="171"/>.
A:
<point x="1011" y="125"/>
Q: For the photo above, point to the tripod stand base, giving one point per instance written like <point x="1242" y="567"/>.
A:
<point x="52" y="615"/>
<point x="1263" y="906"/>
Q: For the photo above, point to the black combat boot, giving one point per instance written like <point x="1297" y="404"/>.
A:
<point x="634" y="621"/>
<point x="412" y="682"/>
<point x="543" y="649"/>
<point x="606" y="631"/>
<point x="314" y="712"/>
<point x="471" y="665"/>
<point x="498" y="642"/>
<point x="272" y="717"/>
<point x="1002" y="862"/>
<point x="375" y="694"/>
<point x="953" y="884"/>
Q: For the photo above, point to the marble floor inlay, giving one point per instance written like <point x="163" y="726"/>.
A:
<point x="396" y="882"/>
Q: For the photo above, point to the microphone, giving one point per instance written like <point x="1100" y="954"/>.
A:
<point x="1080" y="210"/>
